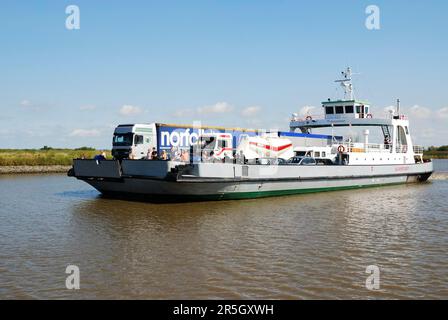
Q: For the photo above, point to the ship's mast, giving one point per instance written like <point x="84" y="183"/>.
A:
<point x="346" y="83"/>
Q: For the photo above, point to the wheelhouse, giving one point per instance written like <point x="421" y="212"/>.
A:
<point x="346" y="109"/>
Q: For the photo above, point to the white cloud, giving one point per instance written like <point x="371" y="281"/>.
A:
<point x="220" y="107"/>
<point x="85" y="133"/>
<point x="25" y="103"/>
<point x="420" y="112"/>
<point x="87" y="107"/>
<point x="127" y="110"/>
<point x="387" y="110"/>
<point x="443" y="113"/>
<point x="250" y="111"/>
<point x="183" y="113"/>
<point x="307" y="110"/>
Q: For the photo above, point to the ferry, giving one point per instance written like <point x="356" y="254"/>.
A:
<point x="220" y="167"/>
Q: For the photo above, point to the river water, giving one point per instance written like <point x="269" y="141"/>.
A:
<point x="313" y="246"/>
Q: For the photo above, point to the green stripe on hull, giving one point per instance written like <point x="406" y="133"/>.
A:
<point x="276" y="193"/>
<point x="165" y="198"/>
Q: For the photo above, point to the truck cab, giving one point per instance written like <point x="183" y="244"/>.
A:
<point x="133" y="141"/>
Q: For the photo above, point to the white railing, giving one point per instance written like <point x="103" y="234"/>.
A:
<point x="418" y="149"/>
<point x="363" y="148"/>
<point x="375" y="147"/>
<point x="333" y="116"/>
<point x="400" y="148"/>
<point x="307" y="117"/>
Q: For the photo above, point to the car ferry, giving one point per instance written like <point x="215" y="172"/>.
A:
<point x="270" y="165"/>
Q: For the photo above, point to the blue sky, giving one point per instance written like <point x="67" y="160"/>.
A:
<point x="236" y="63"/>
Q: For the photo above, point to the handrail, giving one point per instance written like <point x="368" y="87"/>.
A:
<point x="377" y="147"/>
<point x="362" y="147"/>
<point x="418" y="149"/>
<point x="310" y="117"/>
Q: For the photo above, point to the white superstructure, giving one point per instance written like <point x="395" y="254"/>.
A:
<point x="396" y="148"/>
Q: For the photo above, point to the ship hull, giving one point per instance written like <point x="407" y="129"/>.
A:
<point x="225" y="182"/>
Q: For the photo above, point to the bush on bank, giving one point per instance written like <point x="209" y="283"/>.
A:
<point x="44" y="157"/>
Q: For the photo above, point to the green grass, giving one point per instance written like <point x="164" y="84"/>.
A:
<point x="44" y="157"/>
<point x="49" y="156"/>
<point x="435" y="154"/>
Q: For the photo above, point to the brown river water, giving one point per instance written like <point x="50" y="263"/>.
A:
<point x="314" y="246"/>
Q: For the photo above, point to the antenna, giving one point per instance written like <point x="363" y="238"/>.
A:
<point x="346" y="83"/>
<point x="398" y="107"/>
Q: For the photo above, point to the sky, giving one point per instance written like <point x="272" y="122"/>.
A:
<point x="245" y="63"/>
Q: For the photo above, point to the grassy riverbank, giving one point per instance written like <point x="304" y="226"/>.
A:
<point x="46" y="157"/>
<point x="435" y="154"/>
<point x="34" y="169"/>
<point x="43" y="157"/>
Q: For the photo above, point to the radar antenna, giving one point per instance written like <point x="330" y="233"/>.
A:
<point x="346" y="83"/>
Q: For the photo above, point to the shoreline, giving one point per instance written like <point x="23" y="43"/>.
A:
<point x="439" y="175"/>
<point x="34" y="169"/>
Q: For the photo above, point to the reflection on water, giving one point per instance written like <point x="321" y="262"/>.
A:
<point x="440" y="165"/>
<point x="82" y="194"/>
<point x="305" y="246"/>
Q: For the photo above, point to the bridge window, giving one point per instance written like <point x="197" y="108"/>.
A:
<point x="348" y="109"/>
<point x="339" y="109"/>
<point x="329" y="110"/>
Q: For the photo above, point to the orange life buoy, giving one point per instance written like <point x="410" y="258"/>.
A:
<point x="309" y="118"/>
<point x="341" y="149"/>
<point x="369" y="116"/>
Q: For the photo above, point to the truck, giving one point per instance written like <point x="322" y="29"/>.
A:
<point x="138" y="141"/>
